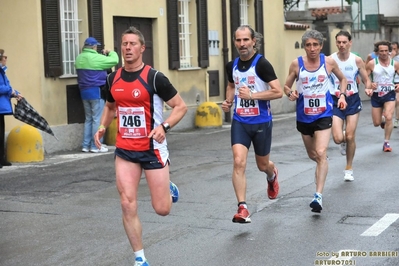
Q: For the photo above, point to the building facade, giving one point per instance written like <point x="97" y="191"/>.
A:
<point x="189" y="41"/>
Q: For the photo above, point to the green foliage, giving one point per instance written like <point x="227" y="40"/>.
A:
<point x="288" y="4"/>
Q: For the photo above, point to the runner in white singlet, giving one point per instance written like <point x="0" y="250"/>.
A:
<point x="382" y="70"/>
<point x="352" y="66"/>
<point x="395" y="57"/>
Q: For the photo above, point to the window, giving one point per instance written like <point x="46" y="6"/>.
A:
<point x="244" y="12"/>
<point x="184" y="33"/>
<point x="69" y="36"/>
<point x="180" y="33"/>
<point x="61" y="36"/>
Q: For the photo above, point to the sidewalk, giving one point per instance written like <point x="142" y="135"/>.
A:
<point x="57" y="158"/>
<point x="68" y="156"/>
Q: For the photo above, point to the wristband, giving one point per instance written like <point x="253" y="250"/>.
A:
<point x="342" y="94"/>
<point x="250" y="94"/>
<point x="101" y="127"/>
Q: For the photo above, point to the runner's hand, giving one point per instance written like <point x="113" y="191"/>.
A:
<point x="293" y="95"/>
<point x="226" y="105"/>
<point x="158" y="134"/>
<point x="99" y="134"/>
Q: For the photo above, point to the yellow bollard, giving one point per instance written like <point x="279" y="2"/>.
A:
<point x="25" y="144"/>
<point x="110" y="134"/>
<point x="208" y="115"/>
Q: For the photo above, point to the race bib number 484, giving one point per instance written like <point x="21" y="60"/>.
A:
<point x="247" y="107"/>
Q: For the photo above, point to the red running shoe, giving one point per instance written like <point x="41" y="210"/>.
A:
<point x="386" y="147"/>
<point x="242" y="215"/>
<point x="273" y="187"/>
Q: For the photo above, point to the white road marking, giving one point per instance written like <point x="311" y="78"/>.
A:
<point x="381" y="225"/>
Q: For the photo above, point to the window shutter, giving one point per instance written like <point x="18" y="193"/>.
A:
<point x="202" y="24"/>
<point x="259" y="22"/>
<point x="95" y="13"/>
<point x="173" y="34"/>
<point x="234" y="22"/>
<point x="51" y="38"/>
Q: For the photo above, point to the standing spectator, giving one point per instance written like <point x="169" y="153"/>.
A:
<point x="395" y="57"/>
<point x="252" y="84"/>
<point x="92" y="73"/>
<point x="314" y="104"/>
<point x="351" y="66"/>
<point x="6" y="93"/>
<point x="383" y="70"/>
<point x="137" y="93"/>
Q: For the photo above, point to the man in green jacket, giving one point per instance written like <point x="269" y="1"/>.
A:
<point x="92" y="74"/>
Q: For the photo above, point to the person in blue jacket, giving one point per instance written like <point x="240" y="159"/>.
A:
<point x="92" y="69"/>
<point x="6" y="93"/>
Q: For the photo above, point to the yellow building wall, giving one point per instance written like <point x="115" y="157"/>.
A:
<point x="216" y="61"/>
<point x="333" y="46"/>
<point x="22" y="40"/>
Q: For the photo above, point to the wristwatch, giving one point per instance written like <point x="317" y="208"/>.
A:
<point x="166" y="127"/>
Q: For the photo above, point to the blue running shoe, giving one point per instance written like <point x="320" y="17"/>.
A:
<point x="316" y="203"/>
<point x="139" y="262"/>
<point x="174" y="192"/>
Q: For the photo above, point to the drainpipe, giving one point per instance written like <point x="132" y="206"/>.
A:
<point x="225" y="52"/>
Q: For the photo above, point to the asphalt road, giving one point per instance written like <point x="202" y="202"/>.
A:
<point x="65" y="210"/>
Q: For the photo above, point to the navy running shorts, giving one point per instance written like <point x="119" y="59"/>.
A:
<point x="378" y="102"/>
<point x="259" y="134"/>
<point x="310" y="128"/>
<point x="147" y="159"/>
<point x="354" y="106"/>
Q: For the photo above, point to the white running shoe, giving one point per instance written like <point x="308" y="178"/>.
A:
<point x="103" y="149"/>
<point x="396" y="123"/>
<point x="343" y="148"/>
<point x="317" y="203"/>
<point x="348" y="175"/>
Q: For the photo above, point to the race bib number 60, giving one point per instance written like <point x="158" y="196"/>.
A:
<point x="132" y="122"/>
<point x="314" y="104"/>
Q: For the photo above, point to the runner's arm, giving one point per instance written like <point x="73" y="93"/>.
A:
<point x="343" y="83"/>
<point x="178" y="112"/>
<point x="289" y="81"/>
<point x="369" y="70"/>
<point x="363" y="73"/>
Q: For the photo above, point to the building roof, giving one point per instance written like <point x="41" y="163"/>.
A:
<point x="295" y="26"/>
<point x="321" y="13"/>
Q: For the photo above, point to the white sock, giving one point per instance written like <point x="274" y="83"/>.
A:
<point x="244" y="205"/>
<point x="140" y="254"/>
<point x="271" y="179"/>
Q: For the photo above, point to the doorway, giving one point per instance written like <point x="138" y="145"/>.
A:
<point x="145" y="26"/>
